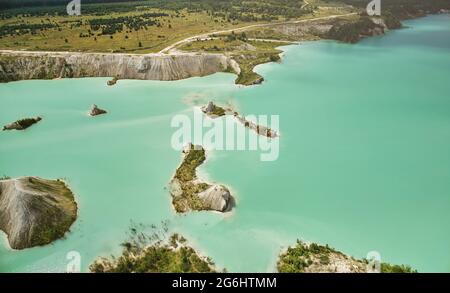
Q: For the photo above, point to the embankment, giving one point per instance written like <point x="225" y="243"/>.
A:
<point x="21" y="65"/>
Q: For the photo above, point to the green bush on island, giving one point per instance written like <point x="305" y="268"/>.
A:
<point x="318" y="258"/>
<point x="296" y="259"/>
<point x="170" y="256"/>
<point x="113" y="81"/>
<point x="218" y="111"/>
<point x="213" y="110"/>
<point x="388" y="268"/>
<point x="185" y="175"/>
<point x="194" y="158"/>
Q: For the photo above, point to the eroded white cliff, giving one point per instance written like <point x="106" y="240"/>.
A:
<point x="20" y="65"/>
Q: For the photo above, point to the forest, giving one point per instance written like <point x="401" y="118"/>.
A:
<point x="235" y="9"/>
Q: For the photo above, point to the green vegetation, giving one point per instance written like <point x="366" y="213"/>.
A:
<point x="48" y="230"/>
<point x="151" y="25"/>
<point x="195" y="156"/>
<point x="388" y="268"/>
<point x="131" y="31"/>
<point x="247" y="52"/>
<point x="113" y="81"/>
<point x="318" y="258"/>
<point x="25" y="28"/>
<point x="131" y="26"/>
<point x="352" y="31"/>
<point x="185" y="177"/>
<point x="52" y="223"/>
<point x="161" y="256"/>
<point x="213" y="110"/>
<point x="402" y="9"/>
<point x="228" y="10"/>
<point x="248" y="62"/>
<point x="296" y="259"/>
<point x="218" y="111"/>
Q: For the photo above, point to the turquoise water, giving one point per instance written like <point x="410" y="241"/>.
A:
<point x="364" y="155"/>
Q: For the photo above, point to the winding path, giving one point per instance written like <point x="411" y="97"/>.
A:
<point x="193" y="38"/>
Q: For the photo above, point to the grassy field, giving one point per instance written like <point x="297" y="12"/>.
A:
<point x="145" y="26"/>
<point x="142" y="26"/>
<point x="74" y="33"/>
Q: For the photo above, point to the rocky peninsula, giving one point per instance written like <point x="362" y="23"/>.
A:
<point x="190" y="193"/>
<point x="316" y="258"/>
<point x="35" y="211"/>
<point x="22" y="124"/>
<point x="259" y="129"/>
<point x="213" y="111"/>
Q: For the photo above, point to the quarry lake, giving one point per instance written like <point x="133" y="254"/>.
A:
<point x="364" y="159"/>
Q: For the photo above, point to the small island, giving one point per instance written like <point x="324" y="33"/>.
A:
<point x="189" y="193"/>
<point x="315" y="258"/>
<point x="22" y="124"/>
<point x="213" y="111"/>
<point x="172" y="256"/>
<point x="113" y="81"/>
<point x="259" y="129"/>
<point x="35" y="211"/>
<point x="95" y="111"/>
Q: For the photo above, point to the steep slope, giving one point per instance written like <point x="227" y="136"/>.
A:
<point x="35" y="211"/>
<point x="16" y="65"/>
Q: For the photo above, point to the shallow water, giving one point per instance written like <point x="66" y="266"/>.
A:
<point x="364" y="155"/>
